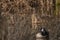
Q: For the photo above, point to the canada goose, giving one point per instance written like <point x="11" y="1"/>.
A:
<point x="43" y="34"/>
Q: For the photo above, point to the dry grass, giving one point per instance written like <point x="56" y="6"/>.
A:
<point x="16" y="21"/>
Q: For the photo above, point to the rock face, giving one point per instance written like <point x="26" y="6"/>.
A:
<point x="16" y="22"/>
